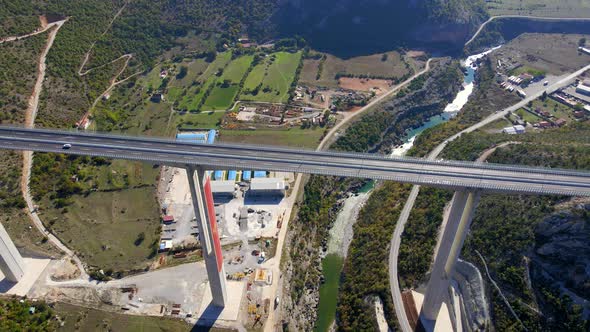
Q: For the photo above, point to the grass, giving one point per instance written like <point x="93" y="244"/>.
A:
<point x="84" y="319"/>
<point x="200" y="120"/>
<point x="547" y="8"/>
<point x="221" y="98"/>
<point x="498" y="124"/>
<point x="372" y="65"/>
<point x="275" y="75"/>
<point x="529" y="70"/>
<point x="103" y="226"/>
<point x="26" y="237"/>
<point x="236" y="70"/>
<point x="556" y="109"/>
<point x="294" y="137"/>
<point x="527" y="116"/>
<point x="190" y="98"/>
<point x="196" y="67"/>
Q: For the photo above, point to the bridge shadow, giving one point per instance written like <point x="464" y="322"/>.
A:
<point x="207" y="318"/>
<point x="6" y="285"/>
<point x="250" y="199"/>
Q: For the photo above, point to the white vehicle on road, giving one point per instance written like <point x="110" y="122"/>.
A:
<point x="66" y="146"/>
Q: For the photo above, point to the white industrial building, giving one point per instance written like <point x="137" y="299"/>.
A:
<point x="518" y="129"/>
<point x="223" y="189"/>
<point x="267" y="186"/>
<point x="584" y="88"/>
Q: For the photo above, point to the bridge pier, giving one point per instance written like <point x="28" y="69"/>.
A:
<point x="457" y="224"/>
<point x="202" y="197"/>
<point x="11" y="262"/>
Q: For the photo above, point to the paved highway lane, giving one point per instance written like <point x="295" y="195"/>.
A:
<point x="447" y="174"/>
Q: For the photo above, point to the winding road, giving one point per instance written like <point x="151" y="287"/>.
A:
<point x="403" y="218"/>
<point x="271" y="322"/>
<point x="483" y="25"/>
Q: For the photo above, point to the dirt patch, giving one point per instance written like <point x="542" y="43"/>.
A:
<point x="43" y="20"/>
<point x="415" y="54"/>
<point x="65" y="270"/>
<point x="364" y="84"/>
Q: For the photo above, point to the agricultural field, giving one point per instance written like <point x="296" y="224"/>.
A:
<point x="554" y="54"/>
<point x="227" y="86"/>
<point x="390" y="65"/>
<point x="271" y="79"/>
<point x="190" y="99"/>
<point x="294" y="137"/>
<point x="542" y="8"/>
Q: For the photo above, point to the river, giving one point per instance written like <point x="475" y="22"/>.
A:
<point x="450" y="110"/>
<point x="341" y="233"/>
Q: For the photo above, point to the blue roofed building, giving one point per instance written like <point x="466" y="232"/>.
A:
<point x="211" y="136"/>
<point x="192" y="137"/>
<point x="246" y="175"/>
<point x="259" y="174"/>
<point x="219" y="175"/>
<point x="232" y="175"/>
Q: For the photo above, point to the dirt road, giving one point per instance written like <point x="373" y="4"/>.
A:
<point x="30" y="115"/>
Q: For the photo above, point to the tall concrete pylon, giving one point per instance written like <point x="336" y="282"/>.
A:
<point x="202" y="197"/>
<point x="11" y="262"/>
<point x="457" y="224"/>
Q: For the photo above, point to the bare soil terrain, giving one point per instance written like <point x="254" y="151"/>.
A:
<point x="555" y="54"/>
<point x="363" y="84"/>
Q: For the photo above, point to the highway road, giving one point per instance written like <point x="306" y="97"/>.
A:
<point x="482" y="26"/>
<point x="404" y="215"/>
<point x="441" y="174"/>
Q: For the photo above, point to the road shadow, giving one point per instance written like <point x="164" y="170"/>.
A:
<point x="207" y="319"/>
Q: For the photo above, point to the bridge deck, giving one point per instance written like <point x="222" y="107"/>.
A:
<point x="444" y="174"/>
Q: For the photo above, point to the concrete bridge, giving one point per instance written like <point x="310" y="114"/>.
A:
<point x="467" y="179"/>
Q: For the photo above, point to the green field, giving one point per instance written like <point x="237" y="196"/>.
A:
<point x="546" y="8"/>
<point x="221" y="98"/>
<point x="200" y="120"/>
<point x="558" y="110"/>
<point x="294" y="137"/>
<point x="236" y="70"/>
<point x="84" y="319"/>
<point x="272" y="77"/>
<point x="527" y="116"/>
<point x="190" y="97"/>
<point x="103" y="226"/>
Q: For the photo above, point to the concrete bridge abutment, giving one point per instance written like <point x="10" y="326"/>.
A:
<point x="12" y="264"/>
<point x="457" y="224"/>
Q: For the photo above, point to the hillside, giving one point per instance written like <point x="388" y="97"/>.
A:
<point x="349" y="27"/>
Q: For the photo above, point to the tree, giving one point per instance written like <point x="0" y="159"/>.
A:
<point x="140" y="238"/>
<point x="182" y="73"/>
<point x="582" y="42"/>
